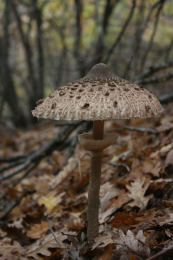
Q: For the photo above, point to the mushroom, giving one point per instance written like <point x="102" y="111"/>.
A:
<point x="99" y="96"/>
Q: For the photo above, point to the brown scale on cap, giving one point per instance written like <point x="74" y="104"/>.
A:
<point x="99" y="89"/>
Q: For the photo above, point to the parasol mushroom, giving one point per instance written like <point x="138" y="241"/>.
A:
<point x="99" y="96"/>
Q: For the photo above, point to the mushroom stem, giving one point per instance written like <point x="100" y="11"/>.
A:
<point x="98" y="130"/>
<point x="94" y="184"/>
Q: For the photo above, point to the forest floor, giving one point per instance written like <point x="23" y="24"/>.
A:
<point x="43" y="211"/>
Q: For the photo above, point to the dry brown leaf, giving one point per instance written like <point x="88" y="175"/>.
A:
<point x="9" y="251"/>
<point x="137" y="191"/>
<point x="107" y="254"/>
<point x="17" y="223"/>
<point x="165" y="127"/>
<point x="169" y="158"/>
<point x="131" y="242"/>
<point x="122" y="199"/>
<point x="51" y="201"/>
<point x="38" y="230"/>
<point x="122" y="219"/>
<point x="116" y="204"/>
<point x="72" y="163"/>
<point x="41" y="246"/>
<point x="163" y="151"/>
<point x="167" y="219"/>
<point x="151" y="166"/>
<point x="107" y="192"/>
<point x="102" y="241"/>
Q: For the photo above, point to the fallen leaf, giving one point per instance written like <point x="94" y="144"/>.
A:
<point x="51" y="201"/>
<point x="122" y="219"/>
<point x="122" y="199"/>
<point x="41" y="246"/>
<point x="106" y="196"/>
<point x="38" y="230"/>
<point x="102" y="241"/>
<point x="169" y="158"/>
<point x="165" y="127"/>
<point x="137" y="191"/>
<point x="72" y="163"/>
<point x="107" y="254"/>
<point x="165" y="149"/>
<point x="131" y="242"/>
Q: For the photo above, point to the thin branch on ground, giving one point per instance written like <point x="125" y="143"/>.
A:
<point x="18" y="180"/>
<point x="161" y="253"/>
<point x="14" y="158"/>
<point x="13" y="204"/>
<point x="46" y="150"/>
<point x="120" y="165"/>
<point x="11" y="165"/>
<point x="52" y="232"/>
<point x="140" y="129"/>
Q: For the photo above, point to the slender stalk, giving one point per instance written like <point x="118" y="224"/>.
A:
<point x="98" y="130"/>
<point x="94" y="184"/>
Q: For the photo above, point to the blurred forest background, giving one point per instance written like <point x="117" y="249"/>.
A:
<point x="46" y="43"/>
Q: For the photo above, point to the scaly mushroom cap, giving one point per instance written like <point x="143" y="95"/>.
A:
<point x="100" y="95"/>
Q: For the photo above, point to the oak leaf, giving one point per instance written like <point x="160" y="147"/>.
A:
<point x="137" y="191"/>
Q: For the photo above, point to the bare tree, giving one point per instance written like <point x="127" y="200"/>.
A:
<point x="8" y="87"/>
<point x="35" y="73"/>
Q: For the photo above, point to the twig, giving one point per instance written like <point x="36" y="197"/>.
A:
<point x="161" y="253"/>
<point x="140" y="129"/>
<point x="57" y="141"/>
<point x="52" y="232"/>
<point x="18" y="180"/>
<point x="13" y="204"/>
<point x="120" y="165"/>
<point x="10" y="165"/>
<point x="16" y="170"/>
<point x="14" y="158"/>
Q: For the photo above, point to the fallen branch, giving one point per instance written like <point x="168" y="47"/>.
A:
<point x="57" y="141"/>
<point x="13" y="158"/>
<point x="140" y="129"/>
<point x="11" y="165"/>
<point x="18" y="180"/>
<point x="12" y="205"/>
<point x="120" y="165"/>
<point x="161" y="253"/>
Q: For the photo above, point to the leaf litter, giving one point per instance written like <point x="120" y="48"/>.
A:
<point x="136" y="209"/>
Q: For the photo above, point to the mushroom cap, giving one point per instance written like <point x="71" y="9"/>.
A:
<point x="100" y="95"/>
